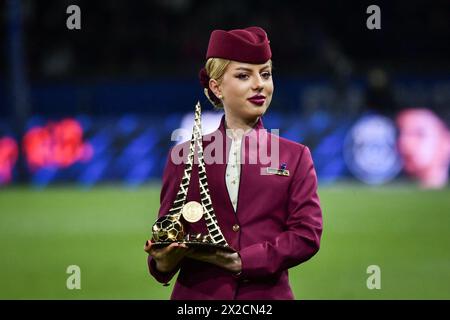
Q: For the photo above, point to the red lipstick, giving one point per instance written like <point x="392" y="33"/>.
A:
<point x="257" y="99"/>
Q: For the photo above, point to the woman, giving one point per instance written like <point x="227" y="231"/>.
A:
<point x="274" y="221"/>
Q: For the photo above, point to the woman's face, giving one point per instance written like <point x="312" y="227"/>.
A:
<point x="246" y="89"/>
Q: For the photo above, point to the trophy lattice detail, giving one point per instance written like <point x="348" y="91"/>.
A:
<point x="169" y="228"/>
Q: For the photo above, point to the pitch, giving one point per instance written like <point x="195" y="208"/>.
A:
<point x="402" y="230"/>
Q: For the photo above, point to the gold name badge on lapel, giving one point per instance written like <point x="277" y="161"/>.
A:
<point x="282" y="171"/>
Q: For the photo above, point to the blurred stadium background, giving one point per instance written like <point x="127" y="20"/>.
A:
<point x="86" y="118"/>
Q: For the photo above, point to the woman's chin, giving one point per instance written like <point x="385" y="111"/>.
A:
<point x="260" y="110"/>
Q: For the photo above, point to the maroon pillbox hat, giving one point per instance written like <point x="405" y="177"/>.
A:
<point x="249" y="45"/>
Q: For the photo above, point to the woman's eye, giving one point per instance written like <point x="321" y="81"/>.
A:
<point x="266" y="75"/>
<point x="242" y="76"/>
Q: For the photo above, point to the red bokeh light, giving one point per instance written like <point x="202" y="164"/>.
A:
<point x="57" y="144"/>
<point x="9" y="152"/>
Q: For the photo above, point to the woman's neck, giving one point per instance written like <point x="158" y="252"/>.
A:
<point x="239" y="124"/>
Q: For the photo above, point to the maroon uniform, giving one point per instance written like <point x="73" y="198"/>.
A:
<point x="277" y="224"/>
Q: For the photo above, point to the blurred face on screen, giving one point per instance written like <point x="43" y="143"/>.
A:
<point x="424" y="144"/>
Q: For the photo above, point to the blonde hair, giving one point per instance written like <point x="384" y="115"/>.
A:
<point x="215" y="68"/>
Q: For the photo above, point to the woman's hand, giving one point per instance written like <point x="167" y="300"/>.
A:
<point x="227" y="260"/>
<point x="167" y="258"/>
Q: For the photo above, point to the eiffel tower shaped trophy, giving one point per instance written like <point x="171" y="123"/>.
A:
<point x="171" y="227"/>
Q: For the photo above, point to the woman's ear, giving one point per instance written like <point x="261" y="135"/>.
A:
<point x="215" y="88"/>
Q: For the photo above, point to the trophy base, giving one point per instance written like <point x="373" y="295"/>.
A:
<point x="197" y="245"/>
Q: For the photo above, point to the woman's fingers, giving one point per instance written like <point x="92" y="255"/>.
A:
<point x="147" y="246"/>
<point x="201" y="254"/>
<point x="180" y="250"/>
<point x="175" y="248"/>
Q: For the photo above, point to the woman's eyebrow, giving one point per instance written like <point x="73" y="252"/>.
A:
<point x="250" y="70"/>
<point x="243" y="69"/>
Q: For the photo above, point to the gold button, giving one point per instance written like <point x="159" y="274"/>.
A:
<point x="236" y="228"/>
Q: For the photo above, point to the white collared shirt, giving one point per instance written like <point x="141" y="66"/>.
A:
<point x="233" y="171"/>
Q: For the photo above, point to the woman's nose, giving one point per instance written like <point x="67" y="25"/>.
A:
<point x="258" y="83"/>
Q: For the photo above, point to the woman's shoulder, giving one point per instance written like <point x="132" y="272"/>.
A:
<point x="289" y="144"/>
<point x="295" y="151"/>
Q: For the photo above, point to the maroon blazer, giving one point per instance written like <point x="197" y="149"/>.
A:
<point x="277" y="224"/>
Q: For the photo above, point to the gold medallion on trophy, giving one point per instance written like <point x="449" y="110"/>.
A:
<point x="192" y="211"/>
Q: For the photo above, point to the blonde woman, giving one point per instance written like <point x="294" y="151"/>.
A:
<point x="270" y="214"/>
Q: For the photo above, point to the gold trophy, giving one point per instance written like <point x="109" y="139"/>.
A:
<point x="170" y="227"/>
